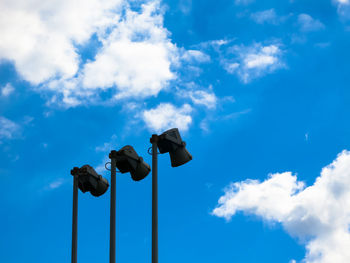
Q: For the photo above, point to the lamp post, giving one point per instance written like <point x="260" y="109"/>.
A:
<point x="112" y="214"/>
<point x="154" y="141"/>
<point x="75" y="219"/>
<point x="87" y="180"/>
<point x="126" y="160"/>
<point x="171" y="142"/>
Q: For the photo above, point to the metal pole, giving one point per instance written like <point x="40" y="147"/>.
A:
<point x="75" y="220"/>
<point x="112" y="213"/>
<point x="154" y="141"/>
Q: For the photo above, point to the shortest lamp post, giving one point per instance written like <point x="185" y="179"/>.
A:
<point x="127" y="161"/>
<point x="168" y="142"/>
<point x="87" y="180"/>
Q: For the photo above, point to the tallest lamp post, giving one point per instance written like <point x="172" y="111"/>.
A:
<point x="171" y="142"/>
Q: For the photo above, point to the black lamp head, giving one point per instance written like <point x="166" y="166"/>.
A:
<point x="171" y="142"/>
<point x="90" y="181"/>
<point x="127" y="160"/>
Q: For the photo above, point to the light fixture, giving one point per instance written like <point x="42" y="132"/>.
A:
<point x="127" y="160"/>
<point x="90" y="181"/>
<point x="171" y="142"/>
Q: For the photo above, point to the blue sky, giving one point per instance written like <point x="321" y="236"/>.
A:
<point x="259" y="91"/>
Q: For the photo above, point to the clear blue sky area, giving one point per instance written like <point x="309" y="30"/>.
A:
<point x="256" y="88"/>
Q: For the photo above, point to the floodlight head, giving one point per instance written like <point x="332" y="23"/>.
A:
<point x="127" y="160"/>
<point x="170" y="141"/>
<point x="90" y="181"/>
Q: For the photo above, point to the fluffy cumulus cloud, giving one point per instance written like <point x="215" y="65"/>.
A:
<point x="135" y="56"/>
<point x="318" y="215"/>
<point x="8" y="129"/>
<point x="39" y="37"/>
<point x="253" y="61"/>
<point x="307" y="23"/>
<point x="166" y="116"/>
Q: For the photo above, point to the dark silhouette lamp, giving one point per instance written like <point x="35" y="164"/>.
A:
<point x="171" y="142"/>
<point x="127" y="160"/>
<point x="90" y="181"/>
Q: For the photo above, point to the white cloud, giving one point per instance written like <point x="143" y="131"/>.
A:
<point x="166" y="116"/>
<point x="185" y="6"/>
<point x="254" y="61"/>
<point x="8" y="128"/>
<point x="205" y="98"/>
<point x="215" y="43"/>
<point x="56" y="184"/>
<point x="341" y="2"/>
<point x="231" y="67"/>
<point x="39" y="37"/>
<point x="107" y="146"/>
<point x="267" y="16"/>
<point x="7" y="90"/>
<point x="308" y="24"/>
<point x="243" y="2"/>
<point x="306" y="136"/>
<point x="201" y="97"/>
<point x="343" y="7"/>
<point x="318" y="215"/>
<point x="136" y="57"/>
<point x="42" y="39"/>
<point x="195" y="56"/>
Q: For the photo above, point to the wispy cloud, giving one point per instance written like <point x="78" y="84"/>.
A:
<point x="199" y="96"/>
<point x="195" y="56"/>
<point x="268" y="16"/>
<point x="8" y="129"/>
<point x="7" y="90"/>
<point x="203" y="97"/>
<point x="254" y="61"/>
<point x="243" y="2"/>
<point x="318" y="215"/>
<point x="107" y="146"/>
<point x="56" y="184"/>
<point x="309" y="24"/>
<point x="343" y="8"/>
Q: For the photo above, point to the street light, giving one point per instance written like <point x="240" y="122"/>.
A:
<point x="171" y="142"/>
<point x="126" y="160"/>
<point x="87" y="180"/>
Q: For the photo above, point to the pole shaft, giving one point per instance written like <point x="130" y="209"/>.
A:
<point x="154" y="200"/>
<point x="75" y="220"/>
<point x="112" y="213"/>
